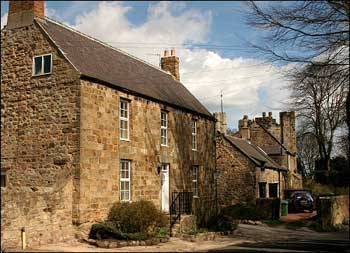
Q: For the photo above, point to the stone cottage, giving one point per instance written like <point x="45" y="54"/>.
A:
<point x="246" y="172"/>
<point x="258" y="161"/>
<point x="278" y="140"/>
<point x="85" y="125"/>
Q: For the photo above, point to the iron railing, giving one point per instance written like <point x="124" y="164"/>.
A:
<point x="181" y="203"/>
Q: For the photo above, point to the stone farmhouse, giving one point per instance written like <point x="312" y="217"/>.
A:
<point x="258" y="161"/>
<point x="85" y="125"/>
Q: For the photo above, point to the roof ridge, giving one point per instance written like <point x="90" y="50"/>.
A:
<point x="104" y="44"/>
<point x="260" y="150"/>
<point x="255" y="147"/>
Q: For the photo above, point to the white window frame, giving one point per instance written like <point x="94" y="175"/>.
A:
<point x="165" y="128"/>
<point x="195" y="177"/>
<point x="42" y="65"/>
<point x="126" y="119"/>
<point x="194" y="135"/>
<point x="125" y="180"/>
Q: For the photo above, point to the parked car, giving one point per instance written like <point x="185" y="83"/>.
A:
<point x="301" y="200"/>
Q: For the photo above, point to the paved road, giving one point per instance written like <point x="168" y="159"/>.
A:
<point x="277" y="239"/>
<point x="289" y="246"/>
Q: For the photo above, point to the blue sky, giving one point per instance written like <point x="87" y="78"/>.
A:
<point x="227" y="29"/>
<point x="211" y="39"/>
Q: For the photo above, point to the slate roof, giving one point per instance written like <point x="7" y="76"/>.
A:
<point x="253" y="152"/>
<point x="101" y="62"/>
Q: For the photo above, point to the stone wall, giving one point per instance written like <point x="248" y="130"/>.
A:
<point x="39" y="140"/>
<point x="237" y="179"/>
<point x="269" y="176"/>
<point x="102" y="150"/>
<point x="333" y="211"/>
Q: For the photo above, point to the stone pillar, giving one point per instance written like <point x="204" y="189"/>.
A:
<point x="221" y="122"/>
<point x="171" y="63"/>
<point x="22" y="13"/>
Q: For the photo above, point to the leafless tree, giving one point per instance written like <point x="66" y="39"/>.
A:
<point x="306" y="32"/>
<point x="319" y="97"/>
<point x="307" y="151"/>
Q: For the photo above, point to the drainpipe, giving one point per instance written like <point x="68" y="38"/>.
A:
<point x="23" y="237"/>
<point x="279" y="184"/>
<point x="215" y="173"/>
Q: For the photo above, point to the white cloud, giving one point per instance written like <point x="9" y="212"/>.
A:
<point x="249" y="85"/>
<point x="3" y="20"/>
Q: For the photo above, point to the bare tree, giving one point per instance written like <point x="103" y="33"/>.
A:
<point x="307" y="152"/>
<point x="319" y="97"/>
<point x="306" y="32"/>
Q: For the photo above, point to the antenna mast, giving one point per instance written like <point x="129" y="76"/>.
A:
<point x="222" y="105"/>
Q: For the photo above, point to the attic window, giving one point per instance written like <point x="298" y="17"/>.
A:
<point x="42" y="65"/>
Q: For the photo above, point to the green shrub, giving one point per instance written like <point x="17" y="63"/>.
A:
<point x="243" y="212"/>
<point x="105" y="230"/>
<point x="136" y="217"/>
<point x="161" y="232"/>
<point x="221" y="223"/>
<point x="137" y="236"/>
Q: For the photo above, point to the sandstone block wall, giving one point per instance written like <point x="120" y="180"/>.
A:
<point x="269" y="176"/>
<point x="333" y="210"/>
<point x="102" y="150"/>
<point x="39" y="140"/>
<point x="237" y="180"/>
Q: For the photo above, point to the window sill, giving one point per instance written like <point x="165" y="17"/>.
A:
<point x="124" y="139"/>
<point x="196" y="197"/>
<point x="45" y="74"/>
<point x="162" y="145"/>
<point x="195" y="150"/>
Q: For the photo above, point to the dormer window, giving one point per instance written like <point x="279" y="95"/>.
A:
<point x="42" y="65"/>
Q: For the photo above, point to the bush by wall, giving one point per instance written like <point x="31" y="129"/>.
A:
<point x="131" y="221"/>
<point x="140" y="216"/>
<point x="244" y="212"/>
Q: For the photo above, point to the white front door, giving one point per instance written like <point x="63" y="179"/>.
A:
<point x="165" y="187"/>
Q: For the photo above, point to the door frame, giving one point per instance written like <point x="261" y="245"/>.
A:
<point x="161" y="186"/>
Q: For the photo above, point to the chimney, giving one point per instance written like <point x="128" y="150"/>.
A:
<point x="171" y="63"/>
<point x="288" y="135"/>
<point x="270" y="114"/>
<point x="264" y="114"/>
<point x="22" y="13"/>
<point x="221" y="122"/>
<point x="244" y="128"/>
